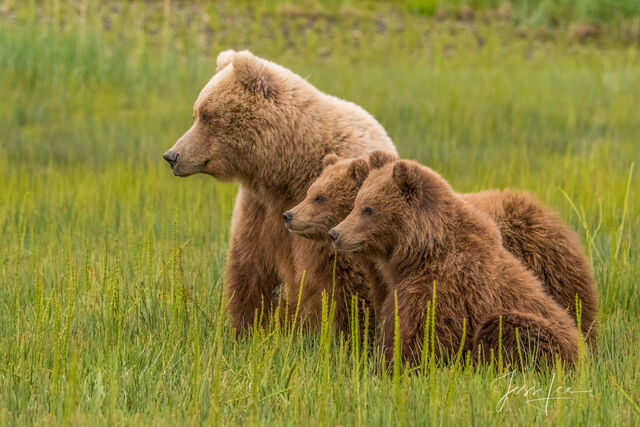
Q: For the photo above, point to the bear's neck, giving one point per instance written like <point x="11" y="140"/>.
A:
<point x="296" y="138"/>
<point x="285" y="185"/>
<point x="290" y="159"/>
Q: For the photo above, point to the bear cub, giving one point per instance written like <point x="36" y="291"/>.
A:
<point x="530" y="231"/>
<point x="329" y="200"/>
<point x="419" y="231"/>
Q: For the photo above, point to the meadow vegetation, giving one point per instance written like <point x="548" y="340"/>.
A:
<point x="111" y="269"/>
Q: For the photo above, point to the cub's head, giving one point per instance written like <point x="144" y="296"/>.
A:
<point x="231" y="116"/>
<point x="396" y="202"/>
<point x="330" y="198"/>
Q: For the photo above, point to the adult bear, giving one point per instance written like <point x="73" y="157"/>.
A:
<point x="267" y="128"/>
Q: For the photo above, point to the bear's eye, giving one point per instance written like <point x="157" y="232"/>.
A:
<point x="204" y="117"/>
<point x="319" y="198"/>
<point x="367" y="211"/>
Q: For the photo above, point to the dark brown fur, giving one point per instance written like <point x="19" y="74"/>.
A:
<point x="530" y="231"/>
<point x="419" y="230"/>
<point x="536" y="338"/>
<point x="537" y="236"/>
<point x="331" y="196"/>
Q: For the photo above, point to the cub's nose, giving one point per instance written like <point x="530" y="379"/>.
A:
<point x="171" y="157"/>
<point x="334" y="234"/>
<point x="288" y="216"/>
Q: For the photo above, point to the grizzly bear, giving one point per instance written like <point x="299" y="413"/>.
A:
<point x="533" y="233"/>
<point x="420" y="232"/>
<point x="268" y="129"/>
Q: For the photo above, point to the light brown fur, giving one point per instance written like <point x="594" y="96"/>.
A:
<point x="265" y="127"/>
<point x="419" y="230"/>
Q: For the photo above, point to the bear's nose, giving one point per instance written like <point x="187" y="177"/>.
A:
<point x="333" y="233"/>
<point x="288" y="216"/>
<point x="171" y="157"/>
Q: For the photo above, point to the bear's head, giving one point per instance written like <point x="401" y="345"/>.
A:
<point x="236" y="120"/>
<point x="330" y="198"/>
<point x="397" y="202"/>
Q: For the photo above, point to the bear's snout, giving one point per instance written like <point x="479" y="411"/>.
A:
<point x="287" y="216"/>
<point x="334" y="234"/>
<point x="171" y="157"/>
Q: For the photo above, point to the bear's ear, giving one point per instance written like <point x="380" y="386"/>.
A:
<point x="379" y="158"/>
<point x="224" y="58"/>
<point x="329" y="160"/>
<point x="408" y="178"/>
<point x="358" y="170"/>
<point x="254" y="74"/>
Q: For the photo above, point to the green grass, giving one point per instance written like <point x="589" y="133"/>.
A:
<point x="111" y="269"/>
<point x="543" y="12"/>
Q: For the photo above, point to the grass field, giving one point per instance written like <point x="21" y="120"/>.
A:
<point x="111" y="269"/>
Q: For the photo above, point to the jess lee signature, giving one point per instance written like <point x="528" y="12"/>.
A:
<point x="534" y="393"/>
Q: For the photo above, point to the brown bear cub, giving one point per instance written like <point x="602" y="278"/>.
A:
<point x="329" y="200"/>
<point x="344" y="276"/>
<point x="408" y="219"/>
<point x="530" y="231"/>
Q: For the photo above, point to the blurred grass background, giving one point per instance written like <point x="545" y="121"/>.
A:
<point x="111" y="268"/>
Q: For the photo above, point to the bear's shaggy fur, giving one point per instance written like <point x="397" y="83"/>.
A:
<point x="530" y="231"/>
<point x="548" y="247"/>
<point x="419" y="230"/>
<point x="265" y="127"/>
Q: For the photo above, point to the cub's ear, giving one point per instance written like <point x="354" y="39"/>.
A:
<point x="379" y="158"/>
<point x="224" y="58"/>
<point x="358" y="170"/>
<point x="329" y="160"/>
<point x="407" y="176"/>
<point x="254" y="74"/>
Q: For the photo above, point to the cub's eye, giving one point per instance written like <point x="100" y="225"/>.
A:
<point x="319" y="198"/>
<point x="367" y="211"/>
<point x="204" y="117"/>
